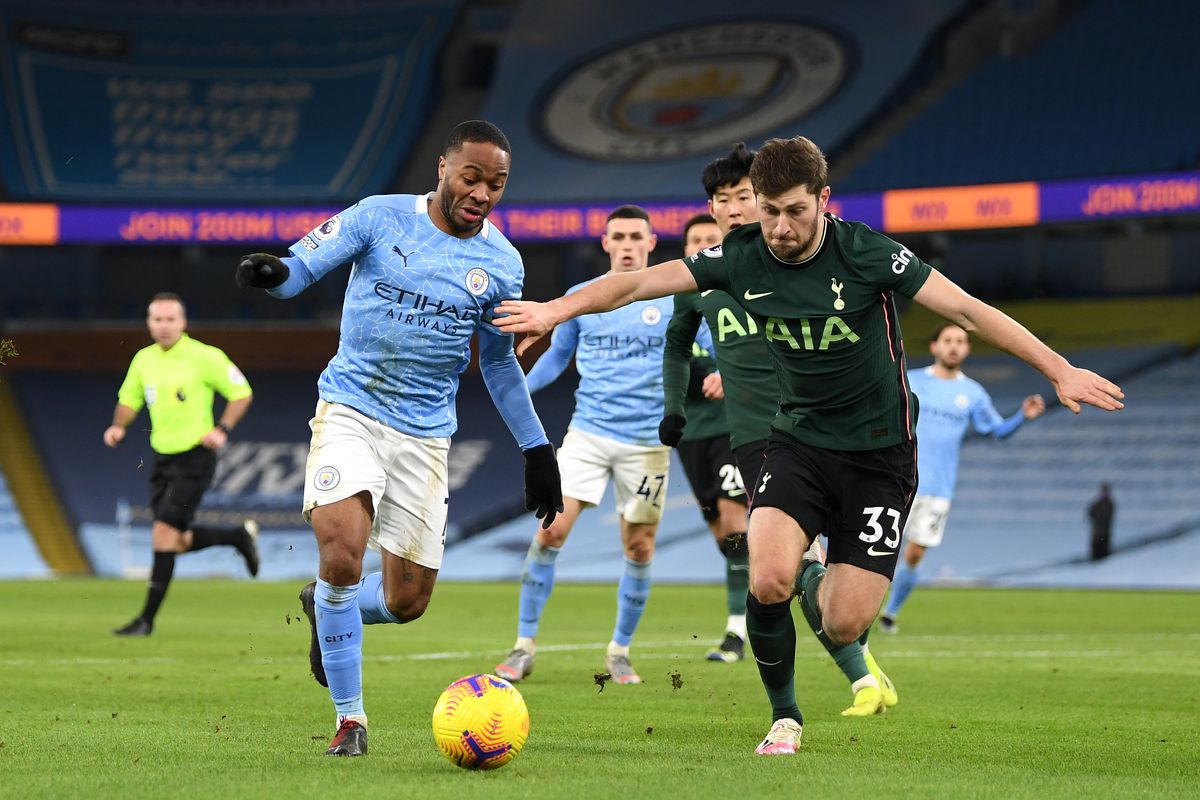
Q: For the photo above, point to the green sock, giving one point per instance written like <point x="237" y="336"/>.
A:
<point x="848" y="657"/>
<point x="737" y="572"/>
<point x="773" y="639"/>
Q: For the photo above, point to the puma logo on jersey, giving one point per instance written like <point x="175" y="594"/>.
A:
<point x="402" y="254"/>
<point x="755" y="295"/>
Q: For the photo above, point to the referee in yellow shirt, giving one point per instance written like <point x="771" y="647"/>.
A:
<point x="176" y="377"/>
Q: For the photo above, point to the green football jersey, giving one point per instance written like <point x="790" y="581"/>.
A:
<point x="831" y="327"/>
<point x="751" y="388"/>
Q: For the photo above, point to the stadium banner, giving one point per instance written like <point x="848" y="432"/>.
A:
<point x="612" y="101"/>
<point x="981" y="207"/>
<point x="1129" y="196"/>
<point x="29" y="223"/>
<point x="999" y="205"/>
<point x="240" y="102"/>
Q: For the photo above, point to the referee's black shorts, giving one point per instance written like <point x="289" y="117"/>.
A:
<point x="712" y="472"/>
<point x="177" y="483"/>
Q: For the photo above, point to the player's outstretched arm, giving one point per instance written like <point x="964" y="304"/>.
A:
<point x="612" y="291"/>
<point x="1073" y="385"/>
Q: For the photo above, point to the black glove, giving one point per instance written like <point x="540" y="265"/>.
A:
<point x="543" y="486"/>
<point x="670" y="430"/>
<point x="260" y="271"/>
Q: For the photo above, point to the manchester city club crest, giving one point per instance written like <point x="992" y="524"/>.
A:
<point x="477" y="281"/>
<point x="651" y="315"/>
<point x="326" y="478"/>
<point x="693" y="89"/>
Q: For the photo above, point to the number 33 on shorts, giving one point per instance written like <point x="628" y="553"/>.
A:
<point x="875" y="531"/>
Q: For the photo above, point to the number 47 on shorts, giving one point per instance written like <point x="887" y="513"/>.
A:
<point x="651" y="488"/>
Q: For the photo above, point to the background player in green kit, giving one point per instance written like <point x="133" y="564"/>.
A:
<point x="701" y="434"/>
<point x="842" y="454"/>
<point x="175" y="378"/>
<point x="749" y="379"/>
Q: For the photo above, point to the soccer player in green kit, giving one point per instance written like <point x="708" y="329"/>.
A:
<point x="748" y="378"/>
<point x="842" y="453"/>
<point x="696" y="426"/>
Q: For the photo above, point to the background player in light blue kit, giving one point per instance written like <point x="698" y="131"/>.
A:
<point x="613" y="433"/>
<point x="950" y="402"/>
<point x="427" y="272"/>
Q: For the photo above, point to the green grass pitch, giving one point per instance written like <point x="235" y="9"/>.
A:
<point x="1002" y="694"/>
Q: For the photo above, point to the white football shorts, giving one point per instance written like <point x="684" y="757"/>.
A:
<point x="405" y="475"/>
<point x="639" y="473"/>
<point x="927" y="520"/>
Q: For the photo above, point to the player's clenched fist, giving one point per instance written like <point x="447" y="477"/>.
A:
<point x="260" y="271"/>
<point x="670" y="430"/>
<point x="543" y="486"/>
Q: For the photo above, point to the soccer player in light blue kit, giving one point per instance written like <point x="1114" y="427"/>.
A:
<point x="950" y="403"/>
<point x="614" y="432"/>
<point x="427" y="272"/>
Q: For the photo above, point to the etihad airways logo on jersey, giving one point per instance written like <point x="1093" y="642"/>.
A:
<point x="624" y="346"/>
<point x="414" y="308"/>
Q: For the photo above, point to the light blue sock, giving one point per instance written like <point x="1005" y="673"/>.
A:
<point x="632" y="593"/>
<point x="536" y="584"/>
<point x="902" y="585"/>
<point x="371" y="604"/>
<point x="340" y="630"/>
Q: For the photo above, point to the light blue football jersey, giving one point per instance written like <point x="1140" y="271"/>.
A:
<point x="947" y="408"/>
<point x="415" y="297"/>
<point x="619" y="357"/>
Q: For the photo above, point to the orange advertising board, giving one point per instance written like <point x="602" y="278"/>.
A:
<point x="28" y="223"/>
<point x="995" y="205"/>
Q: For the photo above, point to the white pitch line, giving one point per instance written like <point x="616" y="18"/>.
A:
<point x="648" y="650"/>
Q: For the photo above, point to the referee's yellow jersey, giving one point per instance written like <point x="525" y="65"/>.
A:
<point x="177" y="385"/>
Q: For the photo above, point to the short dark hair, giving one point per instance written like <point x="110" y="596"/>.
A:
<point x="783" y="164"/>
<point x="937" y="332"/>
<point x="167" y="296"/>
<point x="476" y="130"/>
<point x="628" y="212"/>
<point x="699" y="219"/>
<point x="727" y="170"/>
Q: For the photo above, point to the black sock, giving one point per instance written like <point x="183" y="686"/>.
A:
<point x="160" y="579"/>
<point x="773" y="639"/>
<point x="203" y="537"/>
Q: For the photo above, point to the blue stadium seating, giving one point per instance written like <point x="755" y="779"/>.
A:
<point x="1019" y="514"/>
<point x="1110" y="92"/>
<point x="20" y="557"/>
